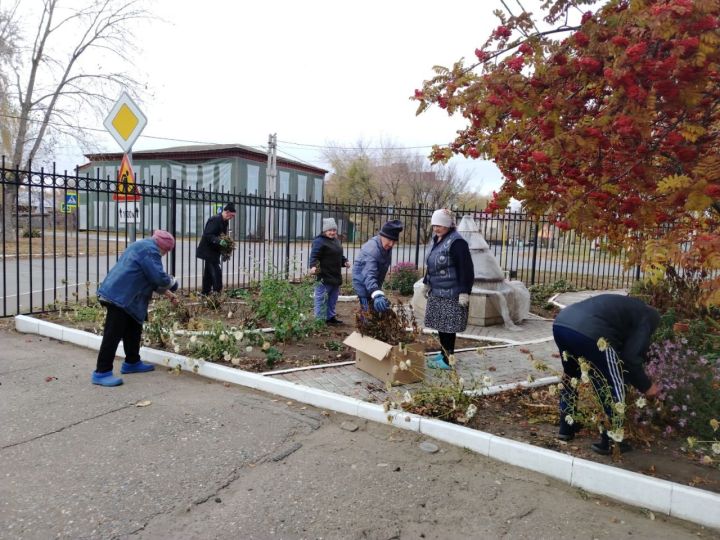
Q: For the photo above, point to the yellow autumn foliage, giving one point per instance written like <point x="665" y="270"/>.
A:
<point x="692" y="132"/>
<point x="697" y="201"/>
<point x="674" y="182"/>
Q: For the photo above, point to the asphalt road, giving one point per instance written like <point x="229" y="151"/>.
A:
<point x="206" y="460"/>
<point x="39" y="281"/>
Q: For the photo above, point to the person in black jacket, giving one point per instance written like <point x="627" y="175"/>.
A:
<point x="209" y="249"/>
<point x="611" y="332"/>
<point x="326" y="263"/>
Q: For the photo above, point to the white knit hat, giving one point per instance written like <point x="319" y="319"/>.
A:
<point x="329" y="223"/>
<point x="442" y="217"/>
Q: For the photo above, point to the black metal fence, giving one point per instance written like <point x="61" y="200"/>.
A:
<point x="71" y="230"/>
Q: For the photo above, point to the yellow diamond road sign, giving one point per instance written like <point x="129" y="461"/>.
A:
<point x="125" y="122"/>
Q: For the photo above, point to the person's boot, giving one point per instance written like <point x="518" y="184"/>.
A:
<point x="567" y="432"/>
<point x="334" y="321"/>
<point x="106" y="379"/>
<point x="136" y="367"/>
<point x="604" y="448"/>
<point x="438" y="362"/>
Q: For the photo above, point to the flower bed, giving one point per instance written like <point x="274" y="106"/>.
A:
<point x="231" y="329"/>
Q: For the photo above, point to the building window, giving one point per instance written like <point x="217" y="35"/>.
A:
<point x="318" y="190"/>
<point x="253" y="179"/>
<point x="302" y="188"/>
<point x="284" y="187"/>
<point x="300" y="224"/>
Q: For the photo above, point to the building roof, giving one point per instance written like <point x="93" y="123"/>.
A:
<point x="203" y="152"/>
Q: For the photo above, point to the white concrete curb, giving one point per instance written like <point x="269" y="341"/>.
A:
<point x="692" y="504"/>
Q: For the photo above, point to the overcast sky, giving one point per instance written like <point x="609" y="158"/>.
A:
<point x="314" y="72"/>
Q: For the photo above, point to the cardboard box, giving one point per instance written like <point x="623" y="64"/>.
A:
<point x="382" y="360"/>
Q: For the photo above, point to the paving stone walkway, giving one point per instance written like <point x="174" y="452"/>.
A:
<point x="514" y="360"/>
<point x="504" y="364"/>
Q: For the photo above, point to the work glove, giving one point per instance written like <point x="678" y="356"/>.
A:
<point x="364" y="303"/>
<point x="175" y="285"/>
<point x="426" y="290"/>
<point x="313" y="269"/>
<point x="380" y="303"/>
<point x="464" y="299"/>
<point x="223" y="243"/>
<point x="225" y="258"/>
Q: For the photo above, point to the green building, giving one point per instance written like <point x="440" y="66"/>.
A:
<point x="205" y="176"/>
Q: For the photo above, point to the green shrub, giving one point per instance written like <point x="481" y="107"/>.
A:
<point x="540" y="294"/>
<point x="287" y="307"/>
<point x="402" y="277"/>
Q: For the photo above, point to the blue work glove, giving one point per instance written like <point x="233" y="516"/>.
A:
<point x="364" y="303"/>
<point x="381" y="303"/>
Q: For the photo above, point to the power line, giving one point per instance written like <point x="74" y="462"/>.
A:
<point x="332" y="147"/>
<point x="157" y="137"/>
<point x="191" y="141"/>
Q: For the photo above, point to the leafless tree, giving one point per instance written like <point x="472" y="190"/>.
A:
<point x="68" y="65"/>
<point x="8" y="50"/>
<point x="394" y="175"/>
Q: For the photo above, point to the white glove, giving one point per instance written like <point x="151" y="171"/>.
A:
<point x="426" y="290"/>
<point x="464" y="299"/>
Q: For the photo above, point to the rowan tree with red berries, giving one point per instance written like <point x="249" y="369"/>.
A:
<point x="610" y="127"/>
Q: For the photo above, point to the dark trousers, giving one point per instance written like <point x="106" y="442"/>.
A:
<point x="212" y="277"/>
<point x="119" y="326"/>
<point x="607" y="376"/>
<point x="447" y="343"/>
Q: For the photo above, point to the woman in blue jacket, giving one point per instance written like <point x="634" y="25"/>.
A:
<point x="326" y="264"/>
<point x="126" y="292"/>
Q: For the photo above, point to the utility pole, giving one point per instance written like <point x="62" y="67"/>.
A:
<point x="271" y="189"/>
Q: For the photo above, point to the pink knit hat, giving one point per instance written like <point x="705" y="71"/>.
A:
<point x="164" y="240"/>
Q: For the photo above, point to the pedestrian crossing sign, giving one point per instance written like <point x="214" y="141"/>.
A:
<point x="71" y="198"/>
<point x="127" y="190"/>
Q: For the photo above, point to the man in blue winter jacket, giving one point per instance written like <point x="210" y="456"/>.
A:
<point x="126" y="293"/>
<point x="372" y="264"/>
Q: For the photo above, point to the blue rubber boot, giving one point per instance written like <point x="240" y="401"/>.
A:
<point x="106" y="379"/>
<point x="437" y="362"/>
<point x="136" y="367"/>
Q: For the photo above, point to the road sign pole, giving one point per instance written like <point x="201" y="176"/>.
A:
<point x="125" y="122"/>
<point x="131" y="230"/>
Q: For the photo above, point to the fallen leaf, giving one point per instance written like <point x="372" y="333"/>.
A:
<point x="143" y="403"/>
<point x="50" y="378"/>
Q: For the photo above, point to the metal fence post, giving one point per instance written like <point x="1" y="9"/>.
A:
<point x="534" y="256"/>
<point x="287" y="239"/>
<point x="173" y="220"/>
<point x="417" y="235"/>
